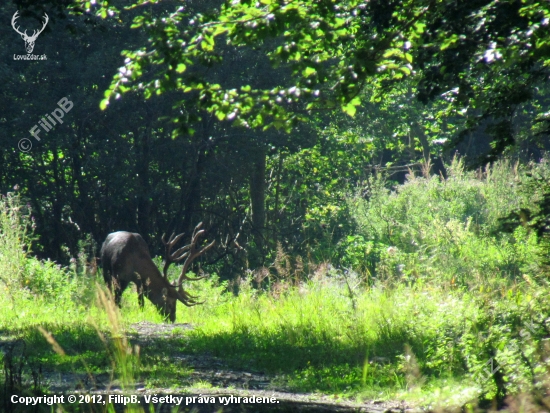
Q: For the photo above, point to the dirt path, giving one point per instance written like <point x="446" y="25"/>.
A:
<point x="220" y="381"/>
<point x="246" y="384"/>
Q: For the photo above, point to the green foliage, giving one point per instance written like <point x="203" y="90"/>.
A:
<point x="382" y="341"/>
<point x="307" y="199"/>
<point x="431" y="229"/>
<point x="535" y="214"/>
<point x="172" y="159"/>
<point x="480" y="59"/>
<point x="511" y="332"/>
<point x="13" y="241"/>
<point x="24" y="275"/>
<point x="51" y="281"/>
<point x="355" y="252"/>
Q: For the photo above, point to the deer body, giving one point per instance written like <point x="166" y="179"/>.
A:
<point x="125" y="258"/>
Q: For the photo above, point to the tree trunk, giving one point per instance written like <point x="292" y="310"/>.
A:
<point x="143" y="193"/>
<point x="57" y="208"/>
<point x="257" y="199"/>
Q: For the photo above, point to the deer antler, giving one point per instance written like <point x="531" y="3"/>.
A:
<point x="188" y="299"/>
<point x="13" y="19"/>
<point x="170" y="257"/>
<point x="46" y="20"/>
<point x="190" y="254"/>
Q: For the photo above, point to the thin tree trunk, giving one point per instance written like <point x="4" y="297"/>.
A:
<point x="57" y="206"/>
<point x="257" y="198"/>
<point x="143" y="201"/>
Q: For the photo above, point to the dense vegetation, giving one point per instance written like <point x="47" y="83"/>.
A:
<point x="430" y="294"/>
<point x="374" y="175"/>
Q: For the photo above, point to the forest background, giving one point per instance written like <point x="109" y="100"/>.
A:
<point x="395" y="142"/>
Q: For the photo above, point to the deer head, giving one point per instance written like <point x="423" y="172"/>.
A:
<point x="29" y="40"/>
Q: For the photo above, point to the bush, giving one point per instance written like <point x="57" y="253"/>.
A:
<point x="535" y="215"/>
<point x="23" y="275"/>
<point x="51" y="281"/>
<point x="434" y="229"/>
<point x="15" y="221"/>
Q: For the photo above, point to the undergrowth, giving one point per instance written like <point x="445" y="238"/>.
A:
<point x="436" y="306"/>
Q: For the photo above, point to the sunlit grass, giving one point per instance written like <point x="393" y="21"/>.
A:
<point x="313" y="337"/>
<point x="420" y="338"/>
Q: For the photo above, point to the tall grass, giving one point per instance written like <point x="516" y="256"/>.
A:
<point x="442" y="294"/>
<point x="435" y="230"/>
<point x="13" y="242"/>
<point x="419" y="342"/>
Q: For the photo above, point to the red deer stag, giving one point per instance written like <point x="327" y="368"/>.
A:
<point x="125" y="258"/>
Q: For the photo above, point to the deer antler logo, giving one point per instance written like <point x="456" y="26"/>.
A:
<point x="29" y="40"/>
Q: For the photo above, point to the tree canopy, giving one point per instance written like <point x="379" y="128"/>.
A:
<point x="482" y="58"/>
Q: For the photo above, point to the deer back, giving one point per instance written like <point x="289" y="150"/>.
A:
<point x="125" y="255"/>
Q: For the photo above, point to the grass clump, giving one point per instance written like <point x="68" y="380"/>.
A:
<point x="317" y="339"/>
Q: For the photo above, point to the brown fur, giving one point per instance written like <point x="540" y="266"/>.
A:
<point x="125" y="258"/>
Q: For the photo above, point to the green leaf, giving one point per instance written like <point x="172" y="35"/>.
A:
<point x="181" y="68"/>
<point x="419" y="27"/>
<point x="405" y="70"/>
<point x="350" y="109"/>
<point x="393" y="52"/>
<point x="308" y="71"/>
<point x="448" y="42"/>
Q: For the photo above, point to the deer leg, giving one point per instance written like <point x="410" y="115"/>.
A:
<point x="109" y="283"/>
<point x="120" y="286"/>
<point x="108" y="278"/>
<point x="141" y="300"/>
<point x="118" y="296"/>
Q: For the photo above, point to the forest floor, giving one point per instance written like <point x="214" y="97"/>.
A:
<point x="216" y="380"/>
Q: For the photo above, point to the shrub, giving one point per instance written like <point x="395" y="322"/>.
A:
<point x="434" y="229"/>
<point x="14" y="225"/>
<point x="23" y="275"/>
